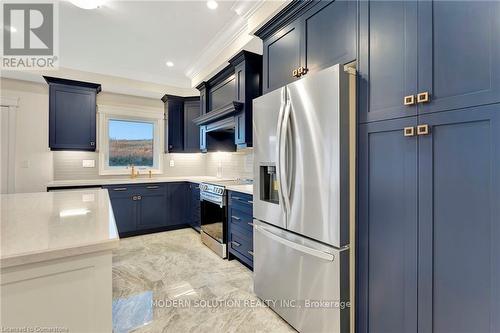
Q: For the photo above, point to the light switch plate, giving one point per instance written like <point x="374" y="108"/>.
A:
<point x="172" y="163"/>
<point x="88" y="163"/>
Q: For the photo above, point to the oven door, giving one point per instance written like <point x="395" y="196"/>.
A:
<point x="213" y="218"/>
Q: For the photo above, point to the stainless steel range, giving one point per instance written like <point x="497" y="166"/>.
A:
<point x="214" y="214"/>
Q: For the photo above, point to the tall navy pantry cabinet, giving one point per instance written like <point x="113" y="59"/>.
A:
<point x="428" y="232"/>
<point x="428" y="215"/>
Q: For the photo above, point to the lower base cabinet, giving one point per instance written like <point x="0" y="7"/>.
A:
<point x="240" y="227"/>
<point x="151" y="207"/>
<point x="194" y="211"/>
<point x="429" y="223"/>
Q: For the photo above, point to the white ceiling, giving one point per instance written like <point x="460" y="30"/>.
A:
<point x="134" y="39"/>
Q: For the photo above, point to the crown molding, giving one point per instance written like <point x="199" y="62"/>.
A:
<point x="233" y="30"/>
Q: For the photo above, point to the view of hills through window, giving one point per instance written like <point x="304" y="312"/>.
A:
<point x="130" y="142"/>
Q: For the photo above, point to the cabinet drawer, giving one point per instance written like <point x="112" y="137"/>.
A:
<point x="241" y="245"/>
<point x="241" y="201"/>
<point x="240" y="220"/>
<point x="151" y="188"/>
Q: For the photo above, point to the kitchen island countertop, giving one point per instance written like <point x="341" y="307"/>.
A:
<point x="51" y="225"/>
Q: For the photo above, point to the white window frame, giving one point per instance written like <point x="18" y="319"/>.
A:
<point x="107" y="113"/>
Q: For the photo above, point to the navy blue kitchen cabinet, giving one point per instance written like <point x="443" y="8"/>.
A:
<point x="240" y="227"/>
<point x="191" y="131"/>
<point x="143" y="208"/>
<point x="177" y="196"/>
<point x="305" y="37"/>
<point x="459" y="221"/>
<point x="124" y="207"/>
<point x="227" y="98"/>
<point x="429" y="223"/>
<point x="281" y="57"/>
<point x="152" y="212"/>
<point x="194" y="211"/>
<point x="387" y="228"/>
<point x="427" y="56"/>
<point x="458" y="54"/>
<point x="387" y="59"/>
<point x="181" y="134"/>
<point x="72" y="114"/>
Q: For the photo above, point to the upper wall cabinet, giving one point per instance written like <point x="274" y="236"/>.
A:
<point x="72" y="114"/>
<point x="226" y="103"/>
<point x="181" y="134"/>
<point x="305" y="37"/>
<point x="459" y="54"/>
<point x="427" y="56"/>
<point x="388" y="59"/>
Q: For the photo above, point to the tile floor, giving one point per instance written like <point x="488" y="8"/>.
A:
<point x="171" y="282"/>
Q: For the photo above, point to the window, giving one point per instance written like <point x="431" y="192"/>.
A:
<point x="129" y="137"/>
<point x="130" y="143"/>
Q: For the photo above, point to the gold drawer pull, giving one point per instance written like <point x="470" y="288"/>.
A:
<point x="423" y="129"/>
<point x="153" y="187"/>
<point x="409" y="131"/>
<point x="409" y="100"/>
<point x="302" y="71"/>
<point x="423" y="97"/>
<point x="295" y="73"/>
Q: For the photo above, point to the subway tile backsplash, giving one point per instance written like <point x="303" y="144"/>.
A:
<point x="68" y="165"/>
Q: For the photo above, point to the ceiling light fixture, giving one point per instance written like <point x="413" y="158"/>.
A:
<point x="169" y="64"/>
<point x="87" y="4"/>
<point x="212" y="4"/>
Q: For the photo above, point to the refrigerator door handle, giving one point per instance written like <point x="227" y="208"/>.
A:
<point x="283" y="157"/>
<point x="296" y="246"/>
<point x="279" y="130"/>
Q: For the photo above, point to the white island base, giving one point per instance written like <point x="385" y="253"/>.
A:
<point x="56" y="270"/>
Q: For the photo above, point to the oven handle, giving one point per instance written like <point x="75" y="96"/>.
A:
<point x="219" y="203"/>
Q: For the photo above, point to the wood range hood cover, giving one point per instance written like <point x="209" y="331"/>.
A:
<point x="222" y="116"/>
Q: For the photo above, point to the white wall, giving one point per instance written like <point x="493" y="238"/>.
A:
<point x="33" y="160"/>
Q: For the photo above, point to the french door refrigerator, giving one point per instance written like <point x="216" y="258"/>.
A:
<point x="301" y="201"/>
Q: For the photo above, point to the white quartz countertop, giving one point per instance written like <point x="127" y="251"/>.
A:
<point x="37" y="227"/>
<point x="140" y="180"/>
<point x="248" y="189"/>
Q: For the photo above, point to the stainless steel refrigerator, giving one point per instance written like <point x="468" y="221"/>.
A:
<point x="301" y="201"/>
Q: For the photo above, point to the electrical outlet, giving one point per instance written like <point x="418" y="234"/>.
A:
<point x="172" y="163"/>
<point x="88" y="163"/>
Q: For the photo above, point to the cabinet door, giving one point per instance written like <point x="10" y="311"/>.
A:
<point x="191" y="130"/>
<point x="281" y="57"/>
<point x="459" y="53"/>
<point x="177" y="204"/>
<point x="152" y="201"/>
<point x="387" y="230"/>
<point x="124" y="208"/>
<point x="329" y="34"/>
<point x="459" y="221"/>
<point x="72" y="118"/>
<point x="387" y="59"/>
<point x="175" y="126"/>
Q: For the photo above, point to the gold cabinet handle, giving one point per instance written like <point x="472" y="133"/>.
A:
<point x="423" y="129"/>
<point x="295" y="73"/>
<point x="302" y="71"/>
<point x="409" y="131"/>
<point x="409" y="100"/>
<point x="423" y="97"/>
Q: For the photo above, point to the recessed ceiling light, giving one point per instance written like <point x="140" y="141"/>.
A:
<point x="88" y="4"/>
<point x="212" y="4"/>
<point x="169" y="64"/>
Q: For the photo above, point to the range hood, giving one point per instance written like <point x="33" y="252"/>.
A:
<point x="221" y="119"/>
